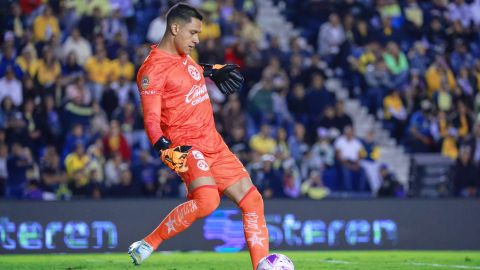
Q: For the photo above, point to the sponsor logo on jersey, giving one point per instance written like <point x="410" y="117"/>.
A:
<point x="197" y="154"/>
<point x="194" y="72"/>
<point x="202" y="165"/>
<point x="148" y="92"/>
<point x="196" y="95"/>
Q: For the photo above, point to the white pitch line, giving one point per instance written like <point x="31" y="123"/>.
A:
<point x="445" y="265"/>
<point x="335" y="262"/>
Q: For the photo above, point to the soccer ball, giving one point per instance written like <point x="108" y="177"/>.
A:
<point x="275" y="261"/>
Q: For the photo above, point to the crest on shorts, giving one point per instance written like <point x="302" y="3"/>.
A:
<point x="202" y="165"/>
<point x="145" y="82"/>
<point x="197" y="154"/>
<point x="194" y="72"/>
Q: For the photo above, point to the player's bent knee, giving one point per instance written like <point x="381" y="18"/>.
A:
<point x="207" y="200"/>
<point x="252" y="200"/>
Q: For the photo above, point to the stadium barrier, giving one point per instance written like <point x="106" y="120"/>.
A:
<point x="110" y="225"/>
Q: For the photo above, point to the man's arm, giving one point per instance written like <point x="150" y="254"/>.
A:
<point x="151" y="98"/>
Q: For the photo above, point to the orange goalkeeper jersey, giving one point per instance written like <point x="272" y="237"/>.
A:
<point x="175" y="102"/>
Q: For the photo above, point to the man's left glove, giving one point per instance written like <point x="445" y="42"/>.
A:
<point x="226" y="77"/>
<point x="174" y="158"/>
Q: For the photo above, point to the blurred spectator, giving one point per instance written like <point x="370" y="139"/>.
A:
<point x="330" y="36"/>
<point x="28" y="62"/>
<point x="157" y="29"/>
<point x="78" y="91"/>
<point x="397" y="64"/>
<point x="458" y="10"/>
<point x="122" y="67"/>
<point x="46" y="25"/>
<point x="210" y="28"/>
<point x="169" y="184"/>
<point x="417" y="57"/>
<point x="49" y="69"/>
<point x="390" y="187"/>
<point x="439" y="75"/>
<point x="296" y="142"/>
<point x="370" y="154"/>
<point x="15" y="21"/>
<point x="17" y="165"/>
<point x="313" y="186"/>
<point x="98" y="69"/>
<point x="76" y="112"/>
<point x="54" y="179"/>
<point x="263" y="142"/>
<point x="419" y="135"/>
<point x="395" y="114"/>
<point x="145" y="174"/>
<point x="466" y="182"/>
<point x="238" y="143"/>
<point x="78" y="45"/>
<point x="460" y="57"/>
<point x="8" y="62"/>
<point x="115" y="142"/>
<point x="268" y="179"/>
<point x="249" y="31"/>
<point x="291" y="179"/>
<point x="92" y="23"/>
<point x="297" y="103"/>
<point x="318" y="97"/>
<point x="378" y="84"/>
<point x="71" y="69"/>
<point x="74" y="137"/>
<point x="114" y="25"/>
<point x="126" y="188"/>
<point x="11" y="87"/>
<point x="76" y="163"/>
<point x="348" y="149"/>
<point x="261" y="101"/>
<point x="124" y="91"/>
<point x="82" y="187"/>
<point x="342" y="119"/>
<point x="323" y="147"/>
<point x="462" y="120"/>
<point x="33" y="191"/>
<point x="113" y="168"/>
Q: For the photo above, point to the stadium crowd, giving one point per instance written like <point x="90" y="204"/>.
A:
<point x="71" y="124"/>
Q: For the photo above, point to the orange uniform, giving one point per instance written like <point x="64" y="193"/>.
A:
<point x="176" y="105"/>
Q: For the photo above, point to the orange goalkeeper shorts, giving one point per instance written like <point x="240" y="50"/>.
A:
<point x="223" y="166"/>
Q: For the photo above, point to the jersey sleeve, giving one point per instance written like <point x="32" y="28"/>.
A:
<point x="151" y="85"/>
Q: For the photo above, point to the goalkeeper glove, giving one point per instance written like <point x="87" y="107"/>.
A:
<point x="174" y="158"/>
<point x="226" y="77"/>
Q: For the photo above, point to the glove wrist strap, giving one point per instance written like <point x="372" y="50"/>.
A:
<point x="162" y="144"/>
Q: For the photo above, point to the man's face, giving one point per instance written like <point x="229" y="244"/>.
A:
<point x="186" y="35"/>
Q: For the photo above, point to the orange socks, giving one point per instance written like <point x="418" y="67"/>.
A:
<point x="254" y="226"/>
<point x="205" y="200"/>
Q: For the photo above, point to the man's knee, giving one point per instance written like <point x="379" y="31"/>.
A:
<point x="207" y="200"/>
<point x="252" y="200"/>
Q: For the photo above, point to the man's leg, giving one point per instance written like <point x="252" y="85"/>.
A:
<point x="249" y="200"/>
<point x="204" y="199"/>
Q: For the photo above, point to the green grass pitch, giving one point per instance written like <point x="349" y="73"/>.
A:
<point x="328" y="260"/>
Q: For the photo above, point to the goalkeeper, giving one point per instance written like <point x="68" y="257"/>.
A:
<point x="179" y="122"/>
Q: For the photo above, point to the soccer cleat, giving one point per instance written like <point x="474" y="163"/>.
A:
<point x="139" y="251"/>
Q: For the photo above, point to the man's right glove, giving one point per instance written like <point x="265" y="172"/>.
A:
<point x="174" y="158"/>
<point x="226" y="77"/>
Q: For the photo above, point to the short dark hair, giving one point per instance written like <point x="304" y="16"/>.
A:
<point x="182" y="12"/>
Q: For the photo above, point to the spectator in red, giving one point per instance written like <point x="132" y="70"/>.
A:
<point x="114" y="141"/>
